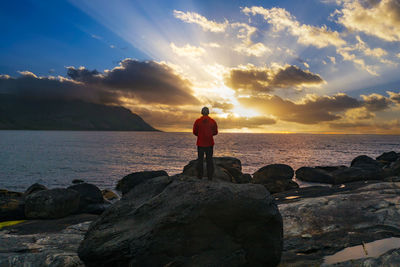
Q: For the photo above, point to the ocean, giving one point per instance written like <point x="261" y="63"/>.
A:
<point x="55" y="158"/>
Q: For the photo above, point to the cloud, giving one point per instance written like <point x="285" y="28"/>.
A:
<point x="143" y="81"/>
<point x="147" y="81"/>
<point x="311" y="110"/>
<point x="376" y="52"/>
<point x="376" y="102"/>
<point x="188" y="50"/>
<point x="308" y="35"/>
<point x="392" y="126"/>
<point x="377" y="18"/>
<point x="203" y="22"/>
<point x="234" y="122"/>
<point x="250" y="49"/>
<point x="251" y="79"/>
<point x="212" y="45"/>
<point x="395" y="97"/>
<point x="247" y="46"/>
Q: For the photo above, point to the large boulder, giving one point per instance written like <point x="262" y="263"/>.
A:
<point x="90" y="198"/>
<point x="352" y="174"/>
<point x="364" y="161"/>
<point x="131" y="180"/>
<point x="387" y="157"/>
<point x="36" y="187"/>
<point x="50" y="204"/>
<point x="315" y="175"/>
<point x="183" y="221"/>
<point x="221" y="171"/>
<point x="275" y="177"/>
<point x="12" y="206"/>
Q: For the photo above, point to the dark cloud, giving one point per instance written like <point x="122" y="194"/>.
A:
<point x="294" y="76"/>
<point x="29" y="85"/>
<point x="251" y="80"/>
<point x="312" y="110"/>
<point x="395" y="97"/>
<point x="376" y="102"/>
<point x="255" y="80"/>
<point x="224" y="106"/>
<point x="373" y="127"/>
<point x="148" y="82"/>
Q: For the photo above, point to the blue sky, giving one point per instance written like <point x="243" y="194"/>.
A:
<point x="262" y="66"/>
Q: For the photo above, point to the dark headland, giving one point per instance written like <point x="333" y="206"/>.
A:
<point x="20" y="113"/>
<point x="238" y="219"/>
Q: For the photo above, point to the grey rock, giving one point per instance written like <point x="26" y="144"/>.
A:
<point x="55" y="249"/>
<point x="184" y="221"/>
<point x="34" y="188"/>
<point x="244" y="178"/>
<point x="131" y="180"/>
<point x="275" y="177"/>
<point x="309" y="174"/>
<point x="364" y="161"/>
<point x="220" y="173"/>
<point x="90" y="198"/>
<point x="388" y="157"/>
<point x="351" y="174"/>
<point x="53" y="203"/>
<point x="337" y="221"/>
<point x="394" y="179"/>
<point x="12" y="206"/>
<point x="77" y="181"/>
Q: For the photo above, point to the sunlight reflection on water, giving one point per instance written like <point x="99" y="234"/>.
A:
<point x="372" y="249"/>
<point x="55" y="158"/>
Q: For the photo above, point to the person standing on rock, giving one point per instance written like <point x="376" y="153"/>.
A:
<point x="205" y="128"/>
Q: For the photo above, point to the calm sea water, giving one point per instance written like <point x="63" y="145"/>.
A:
<point x="55" y="158"/>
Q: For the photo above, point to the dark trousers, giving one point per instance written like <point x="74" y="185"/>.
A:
<point x="209" y="160"/>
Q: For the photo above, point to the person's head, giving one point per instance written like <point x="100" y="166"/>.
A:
<point x="205" y="111"/>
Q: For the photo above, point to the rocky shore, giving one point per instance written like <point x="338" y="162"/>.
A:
<point x="238" y="219"/>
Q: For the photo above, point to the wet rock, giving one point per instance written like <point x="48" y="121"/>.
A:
<point x="44" y="242"/>
<point x="220" y="173"/>
<point x="388" y="157"/>
<point x="315" y="175"/>
<point x="275" y="177"/>
<point x="131" y="180"/>
<point x="339" y="220"/>
<point x="12" y="206"/>
<point x="390" y="258"/>
<point x="34" y="188"/>
<point x="109" y="195"/>
<point x="53" y="203"/>
<point x="90" y="198"/>
<point x="183" y="220"/>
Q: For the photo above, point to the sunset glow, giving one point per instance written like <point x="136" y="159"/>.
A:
<point x="272" y="66"/>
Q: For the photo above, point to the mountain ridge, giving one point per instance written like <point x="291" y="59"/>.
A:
<point x="32" y="113"/>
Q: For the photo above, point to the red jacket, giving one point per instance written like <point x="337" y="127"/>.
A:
<point x="204" y="128"/>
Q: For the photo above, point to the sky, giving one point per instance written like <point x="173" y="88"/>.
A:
<point x="312" y="66"/>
